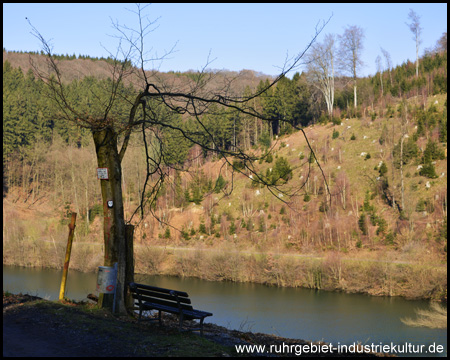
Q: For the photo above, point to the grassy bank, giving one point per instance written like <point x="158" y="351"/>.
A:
<point x="36" y="327"/>
<point x="331" y="272"/>
<point x="58" y="329"/>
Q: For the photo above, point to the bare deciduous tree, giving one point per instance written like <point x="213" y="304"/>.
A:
<point x="350" y="53"/>
<point x="415" y="28"/>
<point x="150" y="111"/>
<point x="441" y="45"/>
<point x="380" y="70"/>
<point x="320" y="66"/>
<point x="404" y="123"/>
<point x="387" y="58"/>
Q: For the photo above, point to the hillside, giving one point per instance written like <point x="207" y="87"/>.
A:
<point x="377" y="225"/>
<point x="308" y="222"/>
<point x="78" y="68"/>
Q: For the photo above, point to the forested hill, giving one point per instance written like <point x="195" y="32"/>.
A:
<point x="77" y="67"/>
<point x="297" y="99"/>
<point x="385" y="163"/>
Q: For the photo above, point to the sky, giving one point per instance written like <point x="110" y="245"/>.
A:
<point x="233" y="36"/>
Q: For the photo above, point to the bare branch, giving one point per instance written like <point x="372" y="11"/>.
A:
<point x="197" y="99"/>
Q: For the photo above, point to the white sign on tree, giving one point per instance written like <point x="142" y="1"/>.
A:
<point x="102" y="173"/>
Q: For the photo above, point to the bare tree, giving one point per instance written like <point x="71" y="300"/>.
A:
<point x="441" y="45"/>
<point x="380" y="70"/>
<point x="387" y="58"/>
<point x="350" y="53"/>
<point x="151" y="111"/>
<point x="320" y="66"/>
<point x="404" y="124"/>
<point x="415" y="28"/>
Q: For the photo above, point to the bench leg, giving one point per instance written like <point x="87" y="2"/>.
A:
<point x="181" y="321"/>
<point x="201" y="326"/>
<point x="159" y="318"/>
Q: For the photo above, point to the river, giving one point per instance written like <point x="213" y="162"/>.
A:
<point x="288" y="312"/>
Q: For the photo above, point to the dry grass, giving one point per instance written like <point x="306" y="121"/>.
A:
<point x="434" y="318"/>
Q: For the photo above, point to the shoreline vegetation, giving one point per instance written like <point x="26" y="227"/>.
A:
<point x="332" y="272"/>
<point x="433" y="318"/>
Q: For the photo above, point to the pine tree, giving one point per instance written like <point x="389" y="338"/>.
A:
<point x="362" y="223"/>
<point x="282" y="170"/>
<point x="232" y="229"/>
<point x="220" y="184"/>
<point x="383" y="169"/>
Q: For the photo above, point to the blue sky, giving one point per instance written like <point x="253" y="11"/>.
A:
<point x="239" y="36"/>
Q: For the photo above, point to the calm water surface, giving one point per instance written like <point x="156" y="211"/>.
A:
<point x="293" y="313"/>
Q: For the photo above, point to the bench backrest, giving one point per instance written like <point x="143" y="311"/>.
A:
<point x="160" y="296"/>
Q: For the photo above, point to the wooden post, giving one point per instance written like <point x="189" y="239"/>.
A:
<point x="129" y="267"/>
<point x="66" y="261"/>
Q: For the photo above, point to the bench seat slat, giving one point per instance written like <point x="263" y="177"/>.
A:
<point x="195" y="314"/>
<point x="162" y="302"/>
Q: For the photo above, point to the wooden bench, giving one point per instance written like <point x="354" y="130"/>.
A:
<point x="171" y="301"/>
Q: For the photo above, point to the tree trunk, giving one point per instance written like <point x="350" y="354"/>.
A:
<point x="393" y="167"/>
<point x="332" y="85"/>
<point x="129" y="267"/>
<point x="381" y="81"/>
<point x="417" y="55"/>
<point x="401" y="173"/>
<point x="114" y="224"/>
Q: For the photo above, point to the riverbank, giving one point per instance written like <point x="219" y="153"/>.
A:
<point x="36" y="327"/>
<point x="377" y="274"/>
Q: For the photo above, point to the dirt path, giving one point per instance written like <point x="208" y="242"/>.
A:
<point x="50" y="331"/>
<point x="25" y="339"/>
<point x="27" y="332"/>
